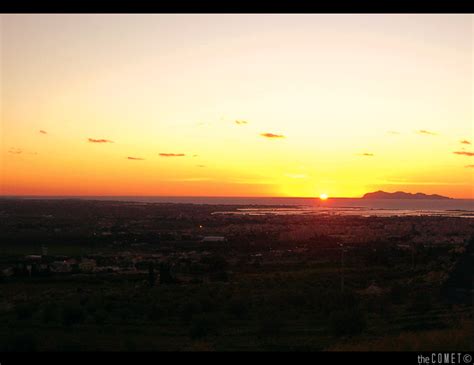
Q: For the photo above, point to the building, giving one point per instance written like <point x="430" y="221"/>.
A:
<point x="87" y="265"/>
<point x="211" y="239"/>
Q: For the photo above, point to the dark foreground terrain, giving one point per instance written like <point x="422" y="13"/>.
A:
<point x="89" y="275"/>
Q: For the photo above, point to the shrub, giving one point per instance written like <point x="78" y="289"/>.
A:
<point x="155" y="312"/>
<point x="24" y="311"/>
<point x="25" y="342"/>
<point x="270" y="325"/>
<point x="72" y="314"/>
<point x="347" y="322"/>
<point x="100" y="316"/>
<point x="420" y="302"/>
<point x="49" y="313"/>
<point x="237" y="308"/>
<point x="188" y="310"/>
<point x="203" y="326"/>
<point x="398" y="294"/>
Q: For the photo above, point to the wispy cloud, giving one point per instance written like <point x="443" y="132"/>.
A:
<point x="93" y="140"/>
<point x="367" y="154"/>
<point x="201" y="165"/>
<point x="272" y="135"/>
<point x="43" y="132"/>
<point x="427" y="133"/>
<point x="172" y="154"/>
<point x="15" y="151"/>
<point x="465" y="141"/>
<point x="241" y="122"/>
<point x="20" y="151"/>
<point x="465" y="153"/>
<point x="393" y="133"/>
<point x="469" y="166"/>
<point x="135" y="158"/>
<point x="191" y="179"/>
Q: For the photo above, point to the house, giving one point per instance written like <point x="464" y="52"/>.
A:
<point x="373" y="290"/>
<point x="87" y="265"/>
<point x="61" y="267"/>
<point x="9" y="271"/>
<point x="210" y="239"/>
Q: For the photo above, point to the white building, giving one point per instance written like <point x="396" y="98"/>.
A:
<point x="209" y="239"/>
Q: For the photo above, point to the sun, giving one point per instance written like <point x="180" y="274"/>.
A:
<point x="323" y="196"/>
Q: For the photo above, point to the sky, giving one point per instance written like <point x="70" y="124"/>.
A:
<point x="236" y="104"/>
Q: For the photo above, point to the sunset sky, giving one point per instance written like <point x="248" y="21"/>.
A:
<point x="236" y="105"/>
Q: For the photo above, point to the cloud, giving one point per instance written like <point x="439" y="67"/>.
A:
<point x="93" y="140"/>
<point x="135" y="158"/>
<point x="15" y="151"/>
<point x="465" y="153"/>
<point x="271" y="135"/>
<point x="469" y="166"/>
<point x="172" y="154"/>
<point x="192" y="179"/>
<point x="425" y="132"/>
<point x="367" y="154"/>
<point x="393" y="133"/>
<point x="241" y="122"/>
<point x="201" y="165"/>
<point x="195" y="155"/>
<point x="19" y="151"/>
<point x="465" y="142"/>
<point x="43" y="132"/>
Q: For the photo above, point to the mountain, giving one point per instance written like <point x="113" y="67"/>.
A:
<point x="401" y="195"/>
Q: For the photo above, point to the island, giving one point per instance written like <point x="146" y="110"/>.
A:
<point x="402" y="195"/>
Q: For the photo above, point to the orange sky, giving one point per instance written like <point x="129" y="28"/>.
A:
<point x="236" y="105"/>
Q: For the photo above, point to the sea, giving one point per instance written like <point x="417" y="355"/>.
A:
<point x="286" y="205"/>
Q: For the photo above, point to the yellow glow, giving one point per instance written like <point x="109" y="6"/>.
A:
<point x="239" y="105"/>
<point x="323" y="196"/>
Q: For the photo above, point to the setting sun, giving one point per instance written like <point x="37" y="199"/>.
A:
<point x="323" y="196"/>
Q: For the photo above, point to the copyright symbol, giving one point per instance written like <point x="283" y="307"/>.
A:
<point x="467" y="358"/>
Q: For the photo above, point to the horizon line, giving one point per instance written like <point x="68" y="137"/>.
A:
<point x="187" y="196"/>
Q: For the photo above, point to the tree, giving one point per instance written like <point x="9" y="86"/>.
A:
<point x="151" y="275"/>
<point x="347" y="322"/>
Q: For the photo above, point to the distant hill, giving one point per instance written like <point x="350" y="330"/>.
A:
<point x="401" y="195"/>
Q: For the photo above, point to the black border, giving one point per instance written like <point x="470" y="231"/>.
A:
<point x="217" y="7"/>
<point x="237" y="6"/>
<point x="71" y="358"/>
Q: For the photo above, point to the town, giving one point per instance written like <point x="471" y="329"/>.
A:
<point x="83" y="250"/>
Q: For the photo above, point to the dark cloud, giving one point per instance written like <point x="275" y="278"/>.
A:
<point x="93" y="140"/>
<point x="172" y="154"/>
<point x="15" y="151"/>
<point x="135" y="158"/>
<point x="241" y="122"/>
<point x="195" y="155"/>
<point x="469" y="166"/>
<point x="19" y="151"/>
<point x="43" y="132"/>
<point x="425" y="132"/>
<point x="465" y="142"/>
<point x="367" y="154"/>
<point x="271" y="135"/>
<point x="465" y="153"/>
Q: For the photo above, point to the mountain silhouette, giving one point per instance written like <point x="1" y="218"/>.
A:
<point x="401" y="195"/>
